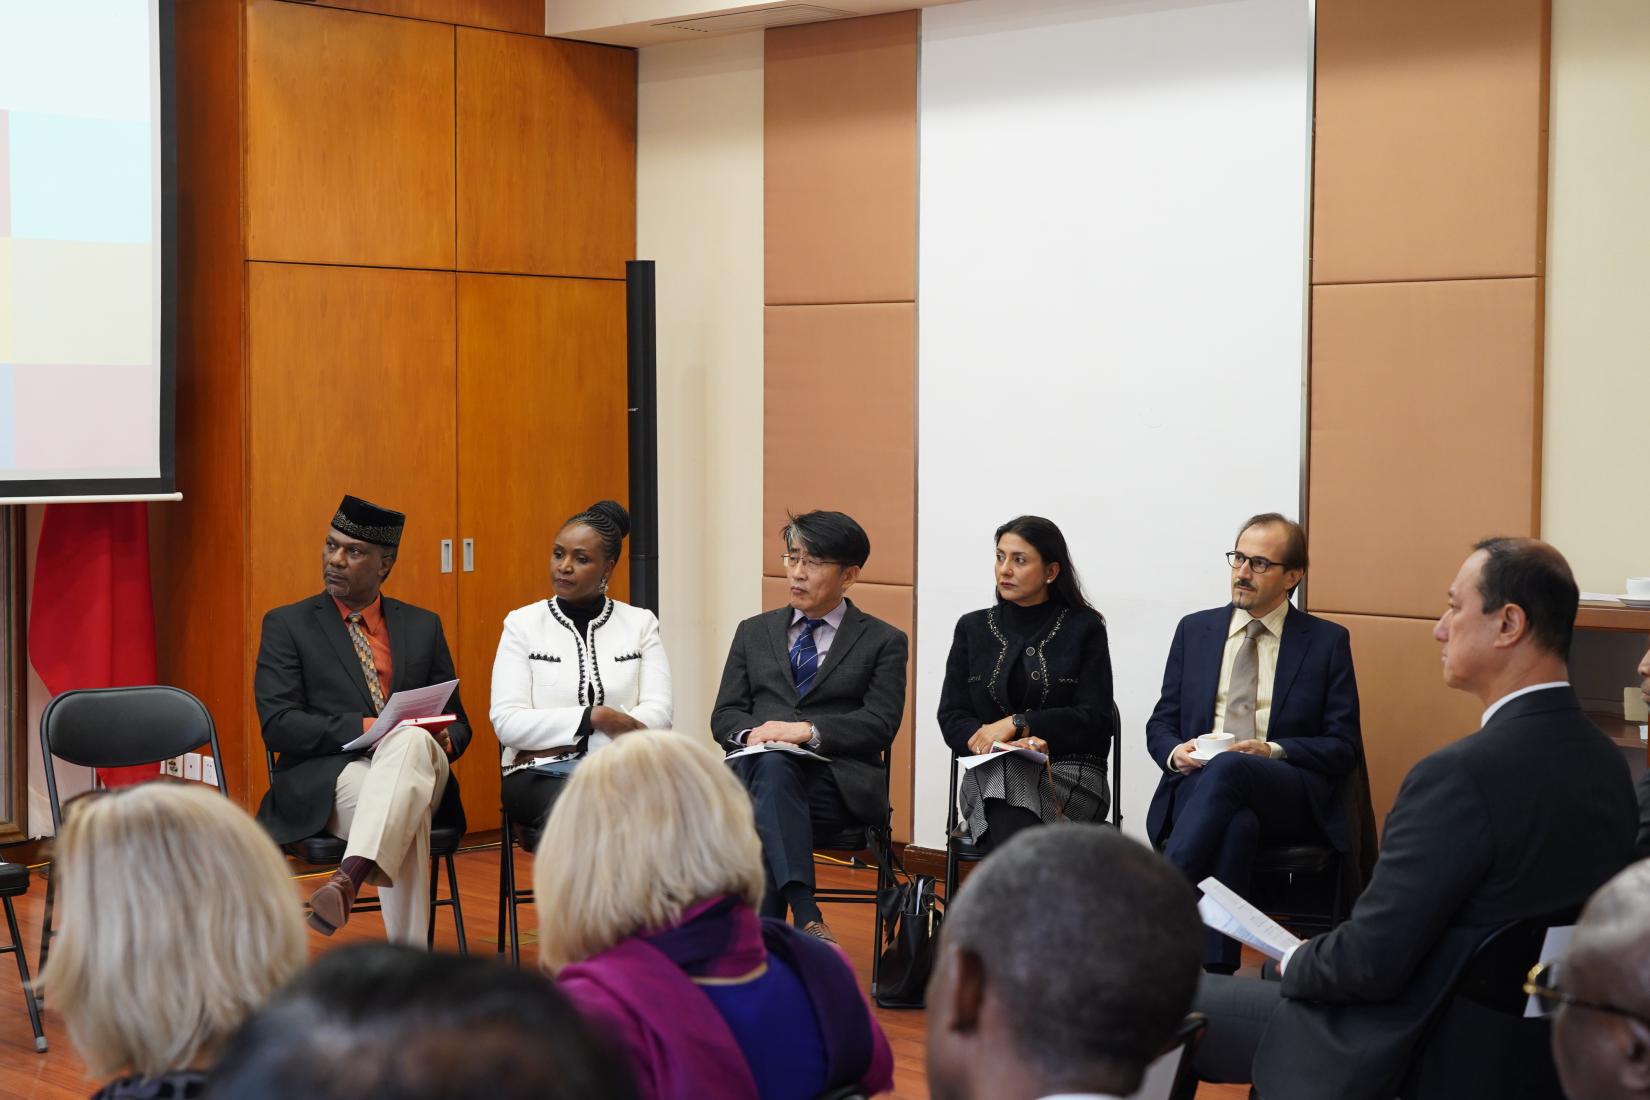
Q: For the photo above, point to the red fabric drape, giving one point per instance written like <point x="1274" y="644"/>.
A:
<point x="92" y="621"/>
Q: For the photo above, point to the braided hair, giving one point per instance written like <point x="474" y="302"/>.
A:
<point x="609" y="520"/>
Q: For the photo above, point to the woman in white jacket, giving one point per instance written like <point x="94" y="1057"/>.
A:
<point x="576" y="670"/>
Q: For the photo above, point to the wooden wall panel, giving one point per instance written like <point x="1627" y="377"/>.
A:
<point x="187" y="538"/>
<point x="839" y="425"/>
<point x="521" y="16"/>
<point x="1431" y="139"/>
<point x="894" y="604"/>
<point x="542" y="434"/>
<point x="546" y="155"/>
<point x="1407" y="711"/>
<point x="841" y="152"/>
<point x="1425" y="435"/>
<point x="349" y="137"/>
<point x="329" y="349"/>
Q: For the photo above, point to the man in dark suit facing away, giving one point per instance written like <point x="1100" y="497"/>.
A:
<point x="326" y="666"/>
<point x="1281" y="682"/>
<point x="822" y="675"/>
<point x="1521" y="820"/>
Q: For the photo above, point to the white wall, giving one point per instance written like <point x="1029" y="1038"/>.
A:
<point x="699" y="215"/>
<point x="1113" y="221"/>
<point x="1594" y="452"/>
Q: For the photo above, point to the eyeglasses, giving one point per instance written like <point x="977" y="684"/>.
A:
<point x="804" y="562"/>
<point x="1542" y="984"/>
<point x="1259" y="565"/>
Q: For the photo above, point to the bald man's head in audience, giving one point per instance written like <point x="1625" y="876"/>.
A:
<point x="1602" y="1047"/>
<point x="1067" y="964"/>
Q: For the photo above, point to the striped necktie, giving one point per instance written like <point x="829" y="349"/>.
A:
<point x="805" y="656"/>
<point x="369" y="667"/>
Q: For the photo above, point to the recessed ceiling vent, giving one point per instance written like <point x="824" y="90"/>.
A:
<point x="779" y="15"/>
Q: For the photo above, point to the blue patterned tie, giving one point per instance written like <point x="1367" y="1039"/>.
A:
<point x="805" y="656"/>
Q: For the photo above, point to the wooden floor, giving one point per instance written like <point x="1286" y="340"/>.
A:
<point x="60" y="1075"/>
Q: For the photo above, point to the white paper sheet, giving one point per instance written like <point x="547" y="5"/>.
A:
<point x="424" y="702"/>
<point x="1556" y="943"/>
<point x="1227" y="913"/>
<point x="775" y="746"/>
<point x="965" y="763"/>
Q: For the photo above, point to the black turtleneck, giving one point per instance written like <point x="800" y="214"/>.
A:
<point x="1024" y="626"/>
<point x="581" y="614"/>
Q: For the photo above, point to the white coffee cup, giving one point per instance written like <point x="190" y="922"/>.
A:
<point x="1638" y="588"/>
<point x="1211" y="743"/>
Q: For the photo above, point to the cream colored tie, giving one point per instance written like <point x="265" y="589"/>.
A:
<point x="1244" y="691"/>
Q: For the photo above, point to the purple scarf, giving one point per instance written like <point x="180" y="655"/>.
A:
<point x="679" y="1044"/>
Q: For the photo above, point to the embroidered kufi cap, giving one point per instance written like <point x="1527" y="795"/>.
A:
<point x="362" y="520"/>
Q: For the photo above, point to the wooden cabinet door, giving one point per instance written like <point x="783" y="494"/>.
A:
<point x="542" y="434"/>
<point x="351" y="384"/>
<point x="349" y="137"/>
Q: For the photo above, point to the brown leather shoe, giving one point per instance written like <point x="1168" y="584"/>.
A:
<point x="820" y="930"/>
<point x="330" y="904"/>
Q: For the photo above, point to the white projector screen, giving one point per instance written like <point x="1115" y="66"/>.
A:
<point x="1114" y="210"/>
<point x="86" y="255"/>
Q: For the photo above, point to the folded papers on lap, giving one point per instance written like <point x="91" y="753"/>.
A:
<point x="1227" y="913"/>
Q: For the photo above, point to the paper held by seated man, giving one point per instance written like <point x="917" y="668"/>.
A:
<point x="1227" y="913"/>
<point x="403" y="706"/>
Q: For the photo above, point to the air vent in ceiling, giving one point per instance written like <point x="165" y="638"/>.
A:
<point x="780" y="15"/>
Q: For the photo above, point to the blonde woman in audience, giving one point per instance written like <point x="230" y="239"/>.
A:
<point x="178" y="919"/>
<point x="647" y="882"/>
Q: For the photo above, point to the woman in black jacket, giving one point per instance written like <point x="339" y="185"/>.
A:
<point x="1033" y="671"/>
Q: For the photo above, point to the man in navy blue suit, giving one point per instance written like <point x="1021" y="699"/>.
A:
<point x="1280" y="681"/>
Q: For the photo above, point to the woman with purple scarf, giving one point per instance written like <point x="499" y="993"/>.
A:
<point x="647" y="881"/>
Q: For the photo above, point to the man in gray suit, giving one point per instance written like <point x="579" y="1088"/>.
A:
<point x="1521" y="820"/>
<point x="822" y="676"/>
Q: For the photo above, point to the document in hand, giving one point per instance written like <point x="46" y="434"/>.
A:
<point x="998" y="751"/>
<point x="1225" y="912"/>
<point x="424" y="702"/>
<point x="774" y="746"/>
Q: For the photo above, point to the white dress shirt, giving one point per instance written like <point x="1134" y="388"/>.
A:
<point x="1511" y="695"/>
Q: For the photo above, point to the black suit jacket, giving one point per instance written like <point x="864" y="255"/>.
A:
<point x="856" y="702"/>
<point x="312" y="695"/>
<point x="1069" y="676"/>
<point x="1314" y="713"/>
<point x="1525" y="818"/>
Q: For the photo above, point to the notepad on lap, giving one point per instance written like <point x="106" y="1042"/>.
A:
<point x="775" y="746"/>
<point x="1228" y="914"/>
<point x="404" y="706"/>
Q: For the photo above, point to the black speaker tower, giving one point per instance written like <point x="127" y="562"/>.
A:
<point x="642" y="342"/>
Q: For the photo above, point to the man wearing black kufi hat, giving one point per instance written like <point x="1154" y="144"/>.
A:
<point x="326" y="666"/>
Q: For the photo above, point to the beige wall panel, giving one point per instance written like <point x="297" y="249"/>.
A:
<point x="841" y="141"/>
<point x="1598" y="281"/>
<point x="894" y="604"/>
<point x="349" y="137"/>
<point x="1430" y="143"/>
<point x="546" y="155"/>
<point x="1406" y="709"/>
<point x="699" y="216"/>
<point x="839" y="427"/>
<point x="1425" y="435"/>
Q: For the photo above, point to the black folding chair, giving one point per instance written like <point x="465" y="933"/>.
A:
<point x="1171" y="1076"/>
<point x="14" y="882"/>
<point x="961" y="849"/>
<point x="324" y="851"/>
<point x="118" y="728"/>
<point x="1310" y="887"/>
<point x="513" y="835"/>
<point x="877" y="841"/>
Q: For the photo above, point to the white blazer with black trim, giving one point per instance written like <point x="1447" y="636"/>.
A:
<point x="545" y="675"/>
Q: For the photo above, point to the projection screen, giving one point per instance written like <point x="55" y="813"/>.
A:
<point x="87" y="256"/>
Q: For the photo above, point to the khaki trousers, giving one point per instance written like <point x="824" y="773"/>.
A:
<point x="382" y="806"/>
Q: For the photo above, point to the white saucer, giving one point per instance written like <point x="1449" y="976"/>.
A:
<point x="1202" y="757"/>
<point x="1640" y="605"/>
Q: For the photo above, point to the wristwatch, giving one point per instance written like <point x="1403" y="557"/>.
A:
<point x="1020" y="723"/>
<point x="813" y="736"/>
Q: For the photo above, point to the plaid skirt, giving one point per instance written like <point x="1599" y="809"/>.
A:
<point x="1079" y="790"/>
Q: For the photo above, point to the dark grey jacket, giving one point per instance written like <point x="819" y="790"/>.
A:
<point x="1524" y="818"/>
<point x="856" y="702"/>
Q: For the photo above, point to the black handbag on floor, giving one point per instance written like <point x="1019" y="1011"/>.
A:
<point x="912" y="914"/>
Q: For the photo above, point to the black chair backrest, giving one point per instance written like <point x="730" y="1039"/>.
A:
<point x="1494" y="977"/>
<point x="123" y="727"/>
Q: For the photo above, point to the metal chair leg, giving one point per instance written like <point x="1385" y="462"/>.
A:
<point x="46" y="923"/>
<point x="515" y="919"/>
<point x="435" y="880"/>
<point x="23" y="972"/>
<point x="506" y="880"/>
<point x="458" y="905"/>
